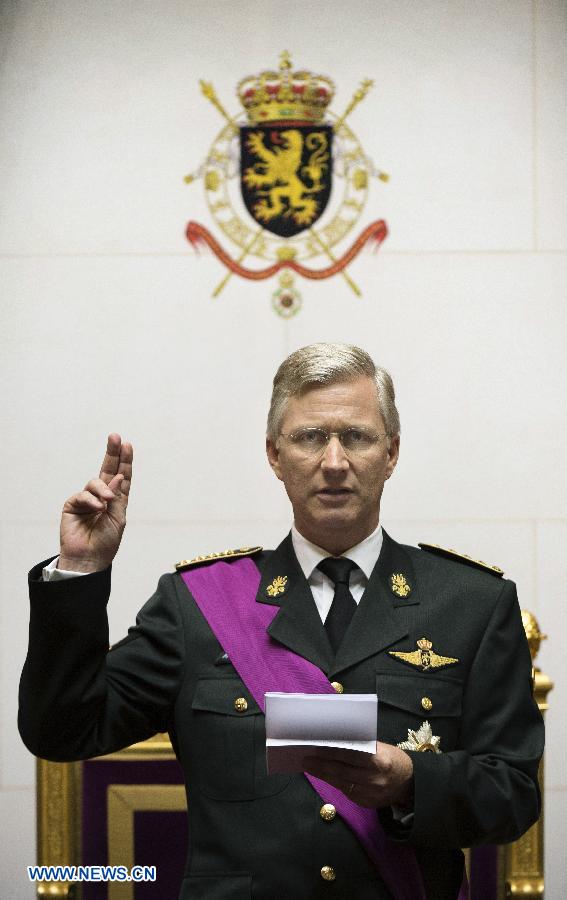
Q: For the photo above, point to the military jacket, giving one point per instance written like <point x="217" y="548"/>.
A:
<point x="443" y="644"/>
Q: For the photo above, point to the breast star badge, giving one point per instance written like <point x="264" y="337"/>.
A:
<point x="277" y="586"/>
<point x="423" y="740"/>
<point x="425" y="658"/>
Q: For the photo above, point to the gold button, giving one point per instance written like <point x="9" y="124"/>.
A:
<point x="426" y="703"/>
<point x="338" y="687"/>
<point x="328" y="873"/>
<point x="328" y="812"/>
<point x="240" y="704"/>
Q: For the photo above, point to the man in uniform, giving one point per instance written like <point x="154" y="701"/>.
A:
<point x="436" y="636"/>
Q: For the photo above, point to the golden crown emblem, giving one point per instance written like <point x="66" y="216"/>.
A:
<point x="424" y="644"/>
<point x="285" y="95"/>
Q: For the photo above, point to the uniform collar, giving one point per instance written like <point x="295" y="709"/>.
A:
<point x="298" y="625"/>
<point x="365" y="554"/>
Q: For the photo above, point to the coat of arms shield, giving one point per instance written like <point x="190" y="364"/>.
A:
<point x="286" y="174"/>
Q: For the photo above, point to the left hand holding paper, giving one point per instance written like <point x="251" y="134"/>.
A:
<point x="382" y="779"/>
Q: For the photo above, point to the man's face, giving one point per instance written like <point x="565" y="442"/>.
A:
<point x="335" y="496"/>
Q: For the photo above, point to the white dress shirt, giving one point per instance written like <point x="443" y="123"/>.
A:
<point x="52" y="573"/>
<point x="309" y="555"/>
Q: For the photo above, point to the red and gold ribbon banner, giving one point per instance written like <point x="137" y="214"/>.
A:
<point x="198" y="235"/>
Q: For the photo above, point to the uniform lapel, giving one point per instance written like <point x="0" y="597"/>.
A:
<point x="298" y="624"/>
<point x="375" y="624"/>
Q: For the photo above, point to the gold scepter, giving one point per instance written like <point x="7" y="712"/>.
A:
<point x="357" y="97"/>
<point x="240" y="259"/>
<point x="326" y="249"/>
<point x="209" y="92"/>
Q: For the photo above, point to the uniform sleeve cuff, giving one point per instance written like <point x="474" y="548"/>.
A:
<point x="50" y="572"/>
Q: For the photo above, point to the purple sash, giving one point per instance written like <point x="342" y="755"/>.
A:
<point x="225" y="593"/>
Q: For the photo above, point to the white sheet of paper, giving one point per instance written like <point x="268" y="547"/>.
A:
<point x="297" y="724"/>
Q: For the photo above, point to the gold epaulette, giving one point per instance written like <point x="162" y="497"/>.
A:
<point x="463" y="557"/>
<point x="214" y="557"/>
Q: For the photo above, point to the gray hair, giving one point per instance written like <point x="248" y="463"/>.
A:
<point x="319" y="364"/>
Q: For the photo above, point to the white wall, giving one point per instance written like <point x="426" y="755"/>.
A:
<point x="108" y="324"/>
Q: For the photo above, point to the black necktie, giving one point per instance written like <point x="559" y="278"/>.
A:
<point x="343" y="605"/>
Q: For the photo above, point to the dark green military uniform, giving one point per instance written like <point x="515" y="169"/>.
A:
<point x="259" y="836"/>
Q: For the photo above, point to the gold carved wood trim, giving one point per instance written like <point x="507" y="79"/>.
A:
<point x="524" y="859"/>
<point x="123" y="801"/>
<point x="58" y="823"/>
<point x="158" y="747"/>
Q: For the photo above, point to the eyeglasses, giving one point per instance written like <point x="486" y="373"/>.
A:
<point x="312" y="442"/>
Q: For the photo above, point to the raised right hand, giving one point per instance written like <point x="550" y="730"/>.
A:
<point x="93" y="520"/>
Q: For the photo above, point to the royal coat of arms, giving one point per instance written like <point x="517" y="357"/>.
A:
<point x="270" y="180"/>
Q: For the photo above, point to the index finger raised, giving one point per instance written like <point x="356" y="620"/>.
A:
<point x="125" y="467"/>
<point x="117" y="460"/>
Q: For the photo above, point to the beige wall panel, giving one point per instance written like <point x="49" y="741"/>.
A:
<point x="18" y="843"/>
<point x="476" y="347"/>
<point x="104" y="116"/>
<point x="551" y="119"/>
<point x="137" y="346"/>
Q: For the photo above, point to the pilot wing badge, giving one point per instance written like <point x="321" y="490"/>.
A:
<point x="285" y="181"/>
<point x="424" y="657"/>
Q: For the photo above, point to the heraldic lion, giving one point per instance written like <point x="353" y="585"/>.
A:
<point x="277" y="180"/>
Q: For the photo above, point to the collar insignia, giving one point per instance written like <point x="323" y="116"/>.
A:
<point x="423" y="740"/>
<point x="399" y="585"/>
<point x="425" y="658"/>
<point x="277" y="586"/>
